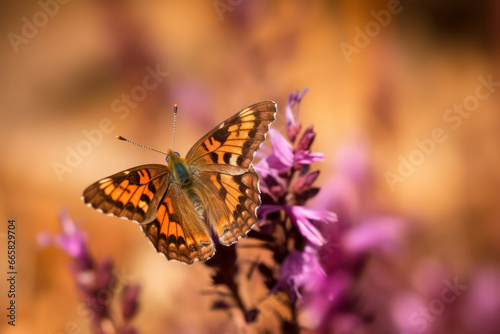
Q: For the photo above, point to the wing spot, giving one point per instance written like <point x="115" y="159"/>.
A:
<point x="162" y="243"/>
<point x="214" y="157"/>
<point x="222" y="192"/>
<point x="134" y="178"/>
<point x="181" y="241"/>
<point x="145" y="198"/>
<point x="153" y="229"/>
<point x="221" y="135"/>
<point x="240" y="161"/>
<point x="172" y="240"/>
<point x="151" y="187"/>
<point x="242" y="200"/>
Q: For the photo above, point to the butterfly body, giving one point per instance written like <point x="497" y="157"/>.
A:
<point x="214" y="190"/>
<point x="180" y="170"/>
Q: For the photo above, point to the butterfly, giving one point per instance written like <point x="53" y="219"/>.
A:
<point x="211" y="193"/>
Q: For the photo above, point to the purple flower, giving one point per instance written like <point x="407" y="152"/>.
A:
<point x="71" y="239"/>
<point x="283" y="156"/>
<point x="94" y="279"/>
<point x="293" y="125"/>
<point x="303" y="218"/>
<point x="300" y="269"/>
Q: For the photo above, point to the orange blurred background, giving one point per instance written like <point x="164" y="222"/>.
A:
<point x="392" y="88"/>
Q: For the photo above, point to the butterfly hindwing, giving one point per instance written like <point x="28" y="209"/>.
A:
<point x="230" y="147"/>
<point x="178" y="230"/>
<point x="133" y="193"/>
<point x="239" y="197"/>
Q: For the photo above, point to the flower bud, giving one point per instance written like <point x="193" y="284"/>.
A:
<point x="306" y="140"/>
<point x="129" y="301"/>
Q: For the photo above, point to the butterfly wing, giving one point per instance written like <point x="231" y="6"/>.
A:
<point x="133" y="193"/>
<point x="178" y="230"/>
<point x="222" y="160"/>
<point x="229" y="148"/>
<point x="231" y="203"/>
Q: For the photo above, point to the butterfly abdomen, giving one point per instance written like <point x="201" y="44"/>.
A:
<point x="197" y="203"/>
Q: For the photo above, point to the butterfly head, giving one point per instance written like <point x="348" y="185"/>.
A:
<point x="173" y="157"/>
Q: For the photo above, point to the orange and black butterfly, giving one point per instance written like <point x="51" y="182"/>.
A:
<point x="215" y="188"/>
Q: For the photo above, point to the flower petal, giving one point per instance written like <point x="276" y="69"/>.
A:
<point x="282" y="149"/>
<point x="266" y="209"/>
<point x="306" y="157"/>
<point x="301" y="217"/>
<point x="379" y="232"/>
<point x="309" y="231"/>
<point x="300" y="269"/>
<point x="319" y="215"/>
<point x="71" y="239"/>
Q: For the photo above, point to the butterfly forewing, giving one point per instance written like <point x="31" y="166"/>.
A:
<point x="229" y="148"/>
<point x="133" y="193"/>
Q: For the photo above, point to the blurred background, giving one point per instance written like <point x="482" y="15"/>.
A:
<point x="383" y="75"/>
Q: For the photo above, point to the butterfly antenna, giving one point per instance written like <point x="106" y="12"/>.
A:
<point x="149" y="148"/>
<point x="175" y="118"/>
